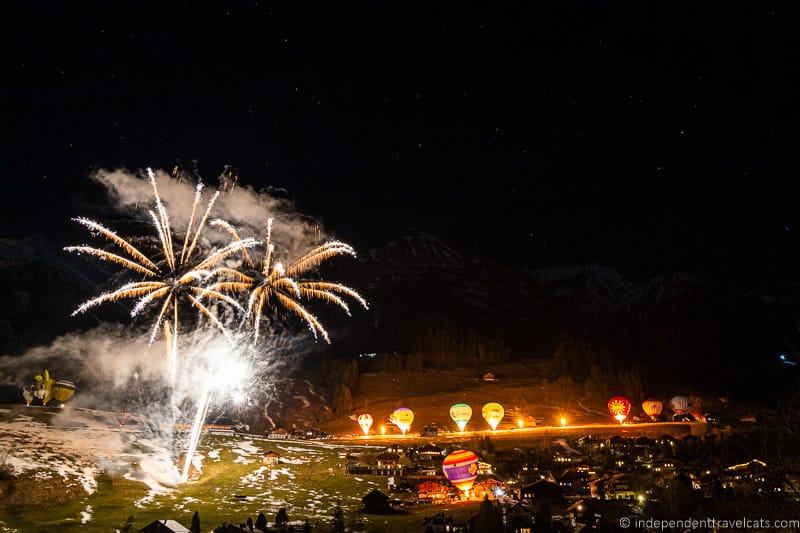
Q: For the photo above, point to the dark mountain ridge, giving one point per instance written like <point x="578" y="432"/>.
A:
<point x="674" y="327"/>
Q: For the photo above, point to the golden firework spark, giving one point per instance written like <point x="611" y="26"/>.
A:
<point x="274" y="286"/>
<point x="173" y="278"/>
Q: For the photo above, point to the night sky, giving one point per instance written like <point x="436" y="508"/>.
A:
<point x="646" y="139"/>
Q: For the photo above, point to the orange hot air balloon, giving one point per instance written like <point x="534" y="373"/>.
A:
<point x="365" y="421"/>
<point x="652" y="408"/>
<point x="460" y="413"/>
<point x="402" y="418"/>
<point x="493" y="413"/>
<point x="461" y="468"/>
<point x="619" y="407"/>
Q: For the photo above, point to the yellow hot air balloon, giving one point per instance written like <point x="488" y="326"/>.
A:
<point x="460" y="413"/>
<point x="652" y="408"/>
<point x="63" y="390"/>
<point x="402" y="418"/>
<point x="44" y="387"/>
<point x="365" y="421"/>
<point x="493" y="413"/>
<point x="48" y="389"/>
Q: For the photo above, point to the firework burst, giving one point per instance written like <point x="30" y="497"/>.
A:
<point x="271" y="285"/>
<point x="169" y="278"/>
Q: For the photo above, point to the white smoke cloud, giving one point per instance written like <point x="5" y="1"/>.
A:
<point x="243" y="207"/>
<point x="115" y="368"/>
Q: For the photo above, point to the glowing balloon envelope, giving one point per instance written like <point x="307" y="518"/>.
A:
<point x="461" y="469"/>
<point x="63" y="390"/>
<point x="460" y="413"/>
<point x="679" y="404"/>
<point x="652" y="408"/>
<point x="493" y="413"/>
<point x="619" y="407"/>
<point x="402" y="418"/>
<point x="365" y="421"/>
<point x="696" y="407"/>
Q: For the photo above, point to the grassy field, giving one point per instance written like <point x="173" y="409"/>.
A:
<point x="231" y="485"/>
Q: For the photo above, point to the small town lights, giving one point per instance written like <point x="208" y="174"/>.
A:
<point x="640" y="498"/>
<point x="563" y="421"/>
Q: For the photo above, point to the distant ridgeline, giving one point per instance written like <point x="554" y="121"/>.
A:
<point x="433" y="306"/>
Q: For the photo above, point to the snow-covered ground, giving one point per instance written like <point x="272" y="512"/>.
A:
<point x="80" y="445"/>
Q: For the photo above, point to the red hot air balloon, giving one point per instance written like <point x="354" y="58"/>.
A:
<point x="619" y="407"/>
<point x="652" y="408"/>
<point x="461" y="469"/>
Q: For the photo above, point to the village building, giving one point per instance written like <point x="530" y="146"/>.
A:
<point x="375" y="502"/>
<point x="484" y="469"/>
<point x="271" y="458"/>
<point x="619" y="487"/>
<point x="490" y="488"/>
<point x="438" y="523"/>
<point x="664" y="466"/>
<point x="278" y="433"/>
<point x="388" y="464"/>
<point x="429" y="453"/>
<point x="541" y="490"/>
<point x="574" y="482"/>
<point x="387" y="459"/>
<point x="164" y="526"/>
<point x="433" y="493"/>
<point x="519" y="517"/>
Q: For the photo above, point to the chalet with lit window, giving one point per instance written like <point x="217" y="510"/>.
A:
<point x="431" y="492"/>
<point x="490" y="488"/>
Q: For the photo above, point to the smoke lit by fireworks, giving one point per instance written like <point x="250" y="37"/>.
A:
<point x="170" y="279"/>
<point x="196" y="274"/>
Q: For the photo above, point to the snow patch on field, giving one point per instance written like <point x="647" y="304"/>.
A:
<point x="86" y="515"/>
<point x="293" y="461"/>
<point x="274" y="473"/>
<point x="254" y="478"/>
<point x="156" y="489"/>
<point x="246" y="447"/>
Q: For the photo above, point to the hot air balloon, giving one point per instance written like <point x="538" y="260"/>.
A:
<point x="402" y="418"/>
<point x="44" y="387"/>
<point x="365" y="421"/>
<point x="460" y="413"/>
<point x="27" y="394"/>
<point x="652" y="408"/>
<point x="679" y="404"/>
<point x="63" y="390"/>
<point x="47" y="389"/>
<point x="461" y="469"/>
<point x="619" y="407"/>
<point x="696" y="407"/>
<point x="493" y="413"/>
